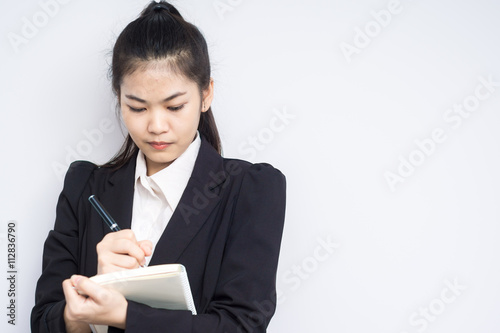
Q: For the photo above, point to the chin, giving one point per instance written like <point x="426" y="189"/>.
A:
<point x="165" y="160"/>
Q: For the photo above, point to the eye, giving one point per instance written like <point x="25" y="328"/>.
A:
<point x="136" y="110"/>
<point x="176" y="108"/>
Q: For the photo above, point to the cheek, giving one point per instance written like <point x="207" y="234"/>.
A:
<point x="194" y="119"/>
<point x="131" y="124"/>
<point x="185" y="123"/>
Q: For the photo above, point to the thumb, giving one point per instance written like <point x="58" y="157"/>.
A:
<point x="74" y="280"/>
<point x="87" y="287"/>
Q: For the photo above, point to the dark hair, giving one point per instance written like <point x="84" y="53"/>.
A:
<point x="161" y="33"/>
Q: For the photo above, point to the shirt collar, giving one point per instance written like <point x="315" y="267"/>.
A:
<point x="172" y="180"/>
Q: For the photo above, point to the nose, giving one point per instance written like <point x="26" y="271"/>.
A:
<point x="158" y="122"/>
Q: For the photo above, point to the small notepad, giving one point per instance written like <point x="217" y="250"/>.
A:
<point x="160" y="286"/>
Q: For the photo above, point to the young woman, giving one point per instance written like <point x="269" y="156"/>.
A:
<point x="174" y="197"/>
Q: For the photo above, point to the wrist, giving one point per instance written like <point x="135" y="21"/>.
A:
<point x="120" y="317"/>
<point x="74" y="326"/>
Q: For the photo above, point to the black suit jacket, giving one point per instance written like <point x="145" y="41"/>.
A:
<point x="226" y="231"/>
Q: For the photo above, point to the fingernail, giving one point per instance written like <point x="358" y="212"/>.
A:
<point x="75" y="279"/>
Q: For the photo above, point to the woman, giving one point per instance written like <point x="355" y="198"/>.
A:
<point x="174" y="197"/>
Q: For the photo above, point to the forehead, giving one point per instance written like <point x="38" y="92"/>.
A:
<point x="156" y="76"/>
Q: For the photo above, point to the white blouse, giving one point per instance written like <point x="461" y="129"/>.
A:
<point x="156" y="197"/>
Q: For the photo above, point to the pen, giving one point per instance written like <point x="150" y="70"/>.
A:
<point x="105" y="215"/>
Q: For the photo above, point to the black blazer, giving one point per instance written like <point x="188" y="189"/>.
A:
<point x="226" y="231"/>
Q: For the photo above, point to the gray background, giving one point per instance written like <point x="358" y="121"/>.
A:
<point x="351" y="120"/>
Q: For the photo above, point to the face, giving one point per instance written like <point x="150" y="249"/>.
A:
<point x="161" y="111"/>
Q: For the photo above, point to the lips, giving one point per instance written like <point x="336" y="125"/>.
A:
<point x="159" y="145"/>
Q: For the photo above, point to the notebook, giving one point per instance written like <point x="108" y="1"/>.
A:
<point x="160" y="286"/>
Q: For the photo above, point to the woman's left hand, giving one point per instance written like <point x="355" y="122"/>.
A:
<point x="102" y="306"/>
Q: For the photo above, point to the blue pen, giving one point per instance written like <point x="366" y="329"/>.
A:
<point x="105" y="215"/>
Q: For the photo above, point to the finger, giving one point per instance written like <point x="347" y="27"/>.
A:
<point x="103" y="306"/>
<point x="88" y="287"/>
<point x="125" y="246"/>
<point x="74" y="301"/>
<point x="112" y="249"/>
<point x="122" y="234"/>
<point x="121" y="246"/>
<point x="147" y="247"/>
<point x="70" y="292"/>
<point x="127" y="234"/>
<point x="115" y="262"/>
<point x="118" y="262"/>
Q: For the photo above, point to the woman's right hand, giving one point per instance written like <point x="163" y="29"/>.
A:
<point x="120" y="250"/>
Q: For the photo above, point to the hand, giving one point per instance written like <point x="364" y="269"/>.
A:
<point x="120" y="250"/>
<point x="103" y="306"/>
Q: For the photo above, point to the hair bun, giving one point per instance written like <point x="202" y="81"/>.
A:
<point x="159" y="7"/>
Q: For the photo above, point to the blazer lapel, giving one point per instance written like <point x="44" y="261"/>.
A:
<point x="118" y="195"/>
<point x="199" y="198"/>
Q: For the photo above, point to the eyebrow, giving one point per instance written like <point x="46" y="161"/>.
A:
<point x="177" y="94"/>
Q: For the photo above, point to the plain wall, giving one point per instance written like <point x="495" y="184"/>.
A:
<point x="383" y="115"/>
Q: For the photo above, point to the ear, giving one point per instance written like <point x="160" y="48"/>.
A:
<point x="208" y="96"/>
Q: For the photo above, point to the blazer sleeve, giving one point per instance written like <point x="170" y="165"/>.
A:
<point x="245" y="295"/>
<point x="60" y="254"/>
